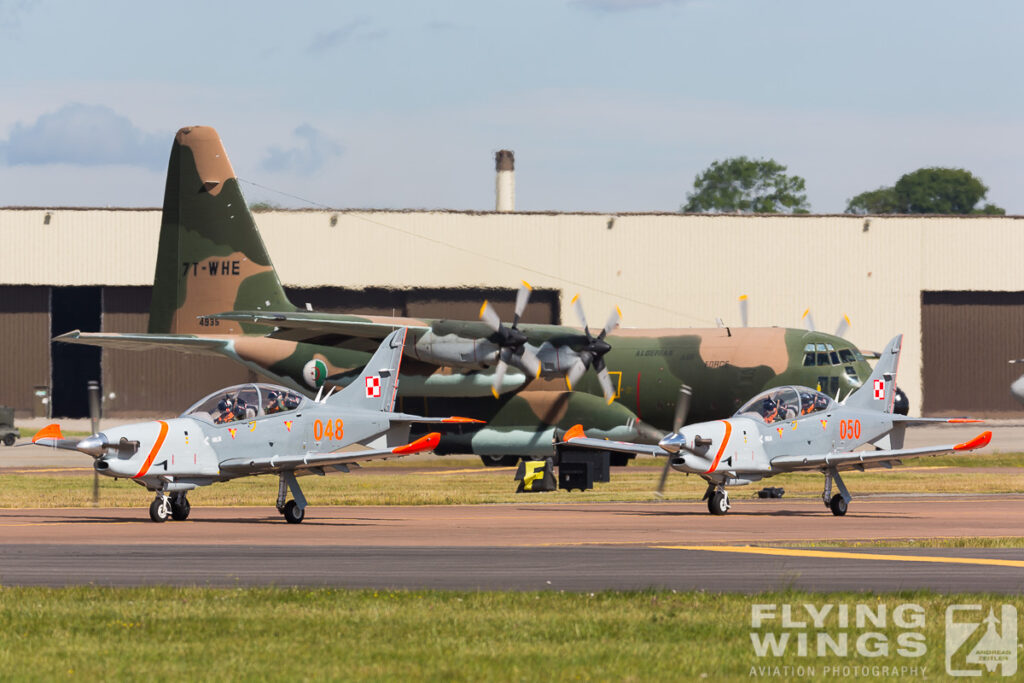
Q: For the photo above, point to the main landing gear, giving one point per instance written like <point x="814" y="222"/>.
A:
<point x="718" y="499"/>
<point x="165" y="507"/>
<point x="840" y="501"/>
<point x="294" y="511"/>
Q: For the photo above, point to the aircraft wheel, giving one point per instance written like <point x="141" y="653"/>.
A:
<point x="180" y="508"/>
<point x="718" y="503"/>
<point x="293" y="514"/>
<point x="9" y="440"/>
<point x="158" y="510"/>
<point x="837" y="505"/>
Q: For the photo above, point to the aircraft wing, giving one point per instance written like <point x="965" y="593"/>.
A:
<point x="862" y="459"/>
<point x="318" y="460"/>
<point x="144" y="342"/>
<point x="590" y="444"/>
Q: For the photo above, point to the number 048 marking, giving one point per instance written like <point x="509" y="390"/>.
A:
<point x="849" y="429"/>
<point x="328" y="429"/>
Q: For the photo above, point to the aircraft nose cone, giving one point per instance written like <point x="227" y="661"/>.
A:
<point x="673" y="442"/>
<point x="95" y="445"/>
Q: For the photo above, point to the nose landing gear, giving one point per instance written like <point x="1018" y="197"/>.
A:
<point x="165" y="507"/>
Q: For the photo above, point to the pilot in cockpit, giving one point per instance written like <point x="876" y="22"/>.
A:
<point x="275" y="402"/>
<point x="226" y="409"/>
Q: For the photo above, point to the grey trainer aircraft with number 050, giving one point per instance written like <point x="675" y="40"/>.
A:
<point x="254" y="429"/>
<point x="789" y="429"/>
<point x="216" y="292"/>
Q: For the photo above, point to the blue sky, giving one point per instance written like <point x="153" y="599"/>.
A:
<point x="609" y="105"/>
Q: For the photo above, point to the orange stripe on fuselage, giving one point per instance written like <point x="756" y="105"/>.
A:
<point x="721" y="449"/>
<point x="156" y="449"/>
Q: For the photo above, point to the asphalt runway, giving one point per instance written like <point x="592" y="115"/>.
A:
<point x="578" y="547"/>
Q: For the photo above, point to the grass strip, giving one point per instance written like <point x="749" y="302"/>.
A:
<point x="329" y="634"/>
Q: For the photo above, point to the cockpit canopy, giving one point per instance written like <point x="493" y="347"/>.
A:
<point x="785" y="403"/>
<point x="245" y="402"/>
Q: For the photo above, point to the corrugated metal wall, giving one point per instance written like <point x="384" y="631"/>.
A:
<point x="664" y="270"/>
<point x="967" y="339"/>
<point x="24" y="344"/>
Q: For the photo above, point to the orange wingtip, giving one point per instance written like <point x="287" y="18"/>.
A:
<point x="425" y="443"/>
<point x="48" y="432"/>
<point x="461" y="420"/>
<point x="980" y="441"/>
<point x="575" y="432"/>
<point x="962" y="420"/>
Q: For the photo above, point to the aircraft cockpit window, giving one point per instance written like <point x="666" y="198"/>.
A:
<point x="813" y="401"/>
<point x="847" y="356"/>
<point x="808" y="348"/>
<point x="233" y="404"/>
<point x="834" y="357"/>
<point x="823" y="358"/>
<point x="774" y="405"/>
<point x="821" y="347"/>
<point x="808" y="359"/>
<point x="279" y="400"/>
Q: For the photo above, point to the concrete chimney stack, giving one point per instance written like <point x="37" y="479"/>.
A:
<point x="505" y="185"/>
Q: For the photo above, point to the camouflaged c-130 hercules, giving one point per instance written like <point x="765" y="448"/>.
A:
<point x="216" y="292"/>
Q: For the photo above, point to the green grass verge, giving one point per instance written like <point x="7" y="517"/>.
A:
<point x="442" y="486"/>
<point x="326" y="634"/>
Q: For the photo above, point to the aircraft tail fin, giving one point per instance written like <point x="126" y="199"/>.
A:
<point x="211" y="258"/>
<point x="377" y="387"/>
<point x="879" y="391"/>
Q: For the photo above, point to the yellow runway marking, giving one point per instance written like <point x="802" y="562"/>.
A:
<point x="794" y="552"/>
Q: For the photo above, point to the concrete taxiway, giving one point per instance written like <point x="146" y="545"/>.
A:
<point x="534" y="546"/>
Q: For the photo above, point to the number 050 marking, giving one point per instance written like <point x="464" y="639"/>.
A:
<point x="328" y="429"/>
<point x="849" y="429"/>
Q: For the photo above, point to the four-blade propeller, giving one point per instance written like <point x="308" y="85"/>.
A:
<point x="592" y="353"/>
<point x="511" y="342"/>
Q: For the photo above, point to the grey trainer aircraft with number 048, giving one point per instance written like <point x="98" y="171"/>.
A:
<point x="789" y="429"/>
<point x="216" y="292"/>
<point x="254" y="429"/>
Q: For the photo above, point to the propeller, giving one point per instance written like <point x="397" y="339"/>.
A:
<point x="511" y="342"/>
<point x="592" y="354"/>
<point x="841" y="329"/>
<point x="682" y="410"/>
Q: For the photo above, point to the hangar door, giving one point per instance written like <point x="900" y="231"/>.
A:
<point x="966" y="340"/>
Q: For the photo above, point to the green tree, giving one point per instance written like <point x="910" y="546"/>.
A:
<point x="927" y="190"/>
<point x="747" y="185"/>
<point x="882" y="200"/>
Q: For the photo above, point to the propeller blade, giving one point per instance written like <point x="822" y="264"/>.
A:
<point x="682" y="407"/>
<point x="613" y="322"/>
<point x="843" y="327"/>
<point x="808" y="320"/>
<point x="499" y="376"/>
<point x="578" y="307"/>
<point x="576" y="371"/>
<point x="743" y="310"/>
<point x="530" y="361"/>
<point x="490" y="316"/>
<point x="522" y="298"/>
<point x="606" y="385"/>
<point x="659" y="492"/>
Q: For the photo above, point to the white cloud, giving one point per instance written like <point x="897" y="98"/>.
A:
<point x="314" y="149"/>
<point x="83" y="135"/>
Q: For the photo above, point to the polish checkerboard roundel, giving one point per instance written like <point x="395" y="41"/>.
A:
<point x="373" y="386"/>
<point x="880" y="389"/>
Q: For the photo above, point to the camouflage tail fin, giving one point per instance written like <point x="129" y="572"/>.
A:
<point x="879" y="391"/>
<point x="211" y="258"/>
<point x="377" y="386"/>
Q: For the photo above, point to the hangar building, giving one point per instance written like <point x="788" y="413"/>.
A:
<point x="951" y="285"/>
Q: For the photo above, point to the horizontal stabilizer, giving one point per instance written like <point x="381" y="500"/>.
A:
<point x="210" y="346"/>
<point x="322" y="324"/>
